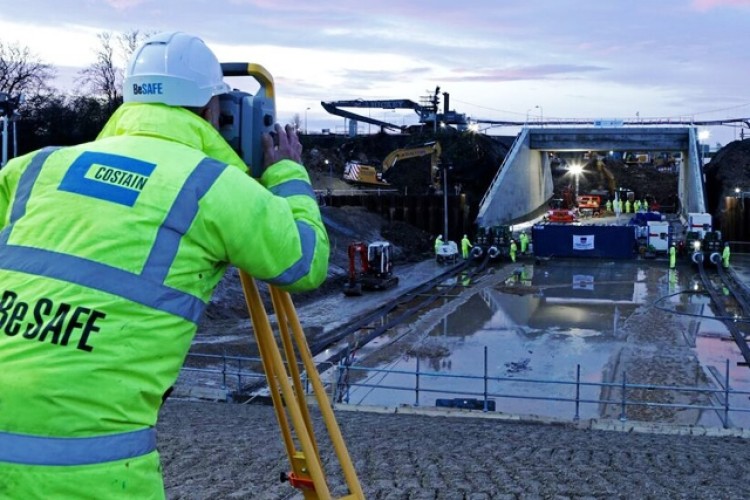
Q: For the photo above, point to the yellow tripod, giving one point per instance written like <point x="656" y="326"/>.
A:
<point x="289" y="398"/>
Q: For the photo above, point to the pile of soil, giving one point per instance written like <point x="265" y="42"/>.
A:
<point x="344" y="226"/>
<point x="472" y="159"/>
<point x="728" y="169"/>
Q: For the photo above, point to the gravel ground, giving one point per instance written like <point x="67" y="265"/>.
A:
<point x="217" y="451"/>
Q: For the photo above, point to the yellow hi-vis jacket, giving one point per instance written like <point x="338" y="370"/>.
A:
<point x="109" y="253"/>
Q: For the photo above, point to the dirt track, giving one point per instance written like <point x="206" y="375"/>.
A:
<point x="216" y="451"/>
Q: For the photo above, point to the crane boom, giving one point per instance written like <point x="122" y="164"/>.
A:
<point x="333" y="107"/>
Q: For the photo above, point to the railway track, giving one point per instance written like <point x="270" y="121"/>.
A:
<point x="375" y="322"/>
<point x="397" y="311"/>
<point x="728" y="293"/>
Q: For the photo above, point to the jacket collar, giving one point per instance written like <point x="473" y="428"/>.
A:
<point x="171" y="123"/>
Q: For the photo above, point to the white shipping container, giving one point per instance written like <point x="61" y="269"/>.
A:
<point x="700" y="223"/>
<point x="658" y="235"/>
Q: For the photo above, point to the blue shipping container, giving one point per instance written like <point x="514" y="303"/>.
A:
<point x="570" y="240"/>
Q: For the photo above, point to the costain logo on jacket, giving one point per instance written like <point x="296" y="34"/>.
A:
<point x="108" y="177"/>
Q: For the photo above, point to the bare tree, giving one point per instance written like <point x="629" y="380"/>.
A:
<point x="21" y="72"/>
<point x="130" y="40"/>
<point x="103" y="77"/>
<point x="297" y="121"/>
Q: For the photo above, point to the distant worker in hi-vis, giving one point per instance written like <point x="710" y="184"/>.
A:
<point x="465" y="247"/>
<point x="524" y="239"/>
<point x="109" y="254"/>
<point x="672" y="256"/>
<point x="627" y="206"/>
<point x="725" y="255"/>
<point x="438" y="243"/>
<point x="513" y="250"/>
<point x="608" y="206"/>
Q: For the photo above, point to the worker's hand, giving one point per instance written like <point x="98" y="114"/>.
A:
<point x="283" y="145"/>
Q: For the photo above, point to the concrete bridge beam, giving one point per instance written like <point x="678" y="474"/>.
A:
<point x="523" y="184"/>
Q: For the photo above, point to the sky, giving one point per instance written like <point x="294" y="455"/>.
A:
<point x="497" y="59"/>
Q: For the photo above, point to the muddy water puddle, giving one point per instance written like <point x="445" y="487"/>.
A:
<point x="511" y="334"/>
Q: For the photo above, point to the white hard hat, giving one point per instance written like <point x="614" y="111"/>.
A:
<point x="176" y="69"/>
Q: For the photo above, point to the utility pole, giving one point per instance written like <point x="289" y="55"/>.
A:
<point x="445" y="202"/>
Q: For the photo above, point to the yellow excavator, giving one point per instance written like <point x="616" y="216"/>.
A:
<point x="611" y="183"/>
<point x="359" y="173"/>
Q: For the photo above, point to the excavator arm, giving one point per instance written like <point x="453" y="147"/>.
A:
<point x="368" y="174"/>
<point x="430" y="148"/>
<point x="608" y="174"/>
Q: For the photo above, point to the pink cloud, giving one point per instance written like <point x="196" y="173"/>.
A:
<point x="704" y="5"/>
<point x="125" y="4"/>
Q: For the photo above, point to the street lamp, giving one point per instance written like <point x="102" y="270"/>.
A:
<point x="8" y="115"/>
<point x="541" y="114"/>
<point x="306" y="110"/>
<point x="445" y="200"/>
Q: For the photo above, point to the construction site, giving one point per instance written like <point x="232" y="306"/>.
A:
<point x="570" y="303"/>
<point x="492" y="308"/>
<point x="585" y="326"/>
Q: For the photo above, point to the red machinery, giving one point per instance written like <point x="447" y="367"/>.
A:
<point x="376" y="267"/>
<point x="559" y="212"/>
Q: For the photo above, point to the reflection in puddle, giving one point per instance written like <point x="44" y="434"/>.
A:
<point x="539" y="324"/>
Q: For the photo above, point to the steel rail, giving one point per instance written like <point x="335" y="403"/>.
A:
<point x="424" y="300"/>
<point x="708" y="285"/>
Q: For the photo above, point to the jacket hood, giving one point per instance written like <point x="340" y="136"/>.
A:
<point x="171" y="123"/>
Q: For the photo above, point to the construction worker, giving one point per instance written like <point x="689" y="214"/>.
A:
<point x="672" y="256"/>
<point x="465" y="247"/>
<point x="636" y="206"/>
<point x="627" y="206"/>
<point x="608" y="206"/>
<point x="524" y="240"/>
<point x="438" y="243"/>
<point x="644" y="205"/>
<point x="725" y="255"/>
<point x="109" y="254"/>
<point x="513" y="250"/>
